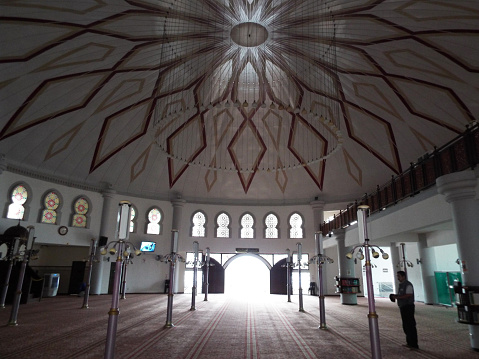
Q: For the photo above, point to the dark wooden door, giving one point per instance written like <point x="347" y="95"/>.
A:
<point x="77" y="276"/>
<point x="216" y="277"/>
<point x="278" y="278"/>
<point x="112" y="278"/>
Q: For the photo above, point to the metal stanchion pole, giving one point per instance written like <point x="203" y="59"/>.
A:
<point x="5" y="284"/>
<point x="123" y="232"/>
<point x="195" y="274"/>
<point x="21" y="275"/>
<point x="372" y="316"/>
<point x="114" y="310"/>
<point x="173" y="259"/>
<point x="169" y="309"/>
<point x="123" y="278"/>
<point x="320" y="260"/>
<point x="322" y="311"/>
<point x="207" y="273"/>
<point x="288" y="274"/>
<point x="9" y="272"/>
<point x="88" y="277"/>
<point x="300" y="255"/>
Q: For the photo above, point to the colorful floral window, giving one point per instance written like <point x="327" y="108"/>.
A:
<point x="81" y="209"/>
<point x="16" y="210"/>
<point x="50" y="204"/>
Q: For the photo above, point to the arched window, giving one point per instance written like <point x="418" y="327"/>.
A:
<point x="51" y="202"/>
<point x="271" y="226"/>
<point x="295" y="226"/>
<point x="154" y="221"/>
<point x="198" y="224"/>
<point x="19" y="196"/>
<point x="223" y="225"/>
<point x="247" y="226"/>
<point x="132" y="219"/>
<point x="81" y="207"/>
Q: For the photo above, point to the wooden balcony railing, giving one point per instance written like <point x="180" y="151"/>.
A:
<point x="457" y="155"/>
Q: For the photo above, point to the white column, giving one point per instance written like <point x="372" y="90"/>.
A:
<point x="346" y="266"/>
<point x="459" y="190"/>
<point x="107" y="226"/>
<point x="318" y="218"/>
<point x="176" y="224"/>
<point x="394" y="254"/>
<point x="427" y="266"/>
<point x="318" y="213"/>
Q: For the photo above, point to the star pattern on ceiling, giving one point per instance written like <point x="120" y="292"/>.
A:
<point x="144" y="94"/>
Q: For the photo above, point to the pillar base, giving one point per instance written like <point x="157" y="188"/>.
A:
<point x="349" y="299"/>
<point x="474" y="336"/>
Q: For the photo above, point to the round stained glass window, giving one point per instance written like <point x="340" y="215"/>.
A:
<point x="19" y="195"/>
<point x="52" y="201"/>
<point x="154" y="215"/>
<point x="49" y="216"/>
<point x="81" y="206"/>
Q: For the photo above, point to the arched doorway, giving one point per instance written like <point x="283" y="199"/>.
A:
<point x="247" y="274"/>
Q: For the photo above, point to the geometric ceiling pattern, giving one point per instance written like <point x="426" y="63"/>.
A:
<point x="241" y="101"/>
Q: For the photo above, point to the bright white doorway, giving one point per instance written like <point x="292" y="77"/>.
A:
<point x="246" y="276"/>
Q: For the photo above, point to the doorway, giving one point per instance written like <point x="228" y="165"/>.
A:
<point x="247" y="275"/>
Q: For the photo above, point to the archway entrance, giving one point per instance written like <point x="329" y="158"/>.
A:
<point x="246" y="275"/>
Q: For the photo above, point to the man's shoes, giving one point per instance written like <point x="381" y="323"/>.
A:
<point x="411" y="347"/>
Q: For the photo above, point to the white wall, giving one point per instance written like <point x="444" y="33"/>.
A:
<point x="401" y="223"/>
<point x="48" y="233"/>
<point x="228" y="245"/>
<point x="146" y="274"/>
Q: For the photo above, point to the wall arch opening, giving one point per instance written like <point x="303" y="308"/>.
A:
<point x="247" y="275"/>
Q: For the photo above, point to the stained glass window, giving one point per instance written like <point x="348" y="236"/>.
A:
<point x="222" y="225"/>
<point x="132" y="219"/>
<point x="81" y="206"/>
<point x="295" y="226"/>
<point x="154" y="218"/>
<point x="247" y="223"/>
<point x="271" y="226"/>
<point x="198" y="228"/>
<point x="50" y="203"/>
<point x="81" y="209"/>
<point x="16" y="210"/>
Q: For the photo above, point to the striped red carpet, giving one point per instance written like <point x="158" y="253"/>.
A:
<point x="225" y="327"/>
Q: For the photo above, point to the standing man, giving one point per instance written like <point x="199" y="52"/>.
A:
<point x="405" y="299"/>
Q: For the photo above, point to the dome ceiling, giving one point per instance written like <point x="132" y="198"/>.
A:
<point x="249" y="101"/>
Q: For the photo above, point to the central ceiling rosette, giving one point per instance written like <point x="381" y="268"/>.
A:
<point x="246" y="95"/>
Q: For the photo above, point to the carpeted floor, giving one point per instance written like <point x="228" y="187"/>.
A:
<point x="225" y="327"/>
